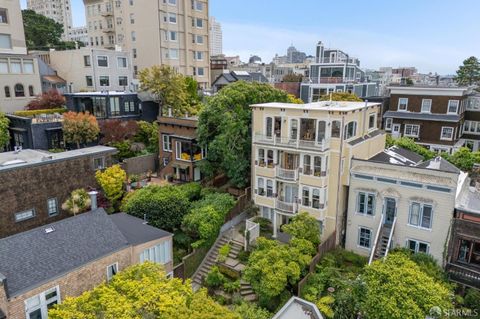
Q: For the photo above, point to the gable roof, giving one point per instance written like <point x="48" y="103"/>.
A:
<point x="398" y="156"/>
<point x="135" y="230"/>
<point x="34" y="257"/>
<point x="440" y="164"/>
<point x="234" y="76"/>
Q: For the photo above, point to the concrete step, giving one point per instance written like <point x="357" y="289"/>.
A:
<point x="250" y="298"/>
<point x="246" y="292"/>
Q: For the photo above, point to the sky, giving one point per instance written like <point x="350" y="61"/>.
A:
<point x="432" y="35"/>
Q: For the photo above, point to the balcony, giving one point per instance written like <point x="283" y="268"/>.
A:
<point x="329" y="80"/>
<point x="286" y="174"/>
<point x="464" y="275"/>
<point x="106" y="13"/>
<point x="291" y="143"/>
<point x="108" y="30"/>
<point x="285" y="207"/>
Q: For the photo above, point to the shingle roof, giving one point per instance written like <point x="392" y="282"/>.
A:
<point x="135" y="230"/>
<point x="398" y="156"/>
<point x="34" y="257"/>
<point x="439" y="164"/>
<point x="423" y="116"/>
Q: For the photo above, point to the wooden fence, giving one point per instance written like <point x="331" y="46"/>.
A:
<point x="242" y="203"/>
<point x="323" y="248"/>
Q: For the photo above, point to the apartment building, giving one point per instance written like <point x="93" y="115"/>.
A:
<point x="71" y="256"/>
<point x="215" y="37"/>
<point x="179" y="150"/>
<point x="335" y="71"/>
<point x="58" y="10"/>
<point x="301" y="156"/>
<point x="35" y="184"/>
<point x="398" y="200"/>
<point x="172" y="32"/>
<point x="90" y="69"/>
<point x="471" y="126"/>
<point x="432" y="116"/>
<point x="79" y="34"/>
<point x="19" y="75"/>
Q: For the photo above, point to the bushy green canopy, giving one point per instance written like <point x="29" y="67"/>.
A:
<point x="304" y="226"/>
<point x="4" y="134"/>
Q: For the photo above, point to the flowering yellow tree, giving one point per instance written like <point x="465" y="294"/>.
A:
<point x="79" y="201"/>
<point x="111" y="181"/>
<point x="142" y="291"/>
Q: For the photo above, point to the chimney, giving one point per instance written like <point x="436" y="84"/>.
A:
<point x="93" y="200"/>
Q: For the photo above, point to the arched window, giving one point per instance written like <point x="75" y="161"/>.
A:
<point x="350" y="130"/>
<point x="261" y="156"/>
<point x="307" y="166"/>
<point x="19" y="90"/>
<point x="322" y="126"/>
<point x="335" y="129"/>
<point x="261" y="186"/>
<point x="30" y="90"/>
<point x="7" y="91"/>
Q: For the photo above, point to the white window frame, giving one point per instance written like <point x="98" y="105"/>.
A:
<point x="374" y="115"/>
<point x="50" y="200"/>
<point x="429" y="106"/>
<point x="166" y="143"/>
<point x="126" y="62"/>
<point x="169" y="17"/>
<point x="456" y="109"/>
<point x="199" y="36"/>
<point x="367" y="195"/>
<point x="100" y="80"/>
<point x="21" y="219"/>
<point x="173" y="56"/>
<point x="420" y="215"/>
<point x="388" y="124"/>
<point x="108" y="62"/>
<point x="359" y="235"/>
<point x="162" y="256"/>
<point x="442" y="137"/>
<point x="122" y="77"/>
<point x="412" y="126"/>
<point x="399" y="103"/>
<point x="42" y="302"/>
<point x="417" y="245"/>
<point x="109" y="277"/>
<point x="171" y="2"/>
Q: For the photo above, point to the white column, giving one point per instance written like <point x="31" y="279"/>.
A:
<point x="274" y="224"/>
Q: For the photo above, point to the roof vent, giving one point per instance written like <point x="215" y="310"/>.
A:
<point x="49" y="230"/>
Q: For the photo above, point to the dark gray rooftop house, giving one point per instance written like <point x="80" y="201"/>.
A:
<point x="40" y="267"/>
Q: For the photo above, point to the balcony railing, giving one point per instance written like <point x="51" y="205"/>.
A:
<point x="338" y="60"/>
<point x="284" y="206"/>
<point x="286" y="174"/>
<point x="293" y="143"/>
<point x="464" y="275"/>
<point x="329" y="80"/>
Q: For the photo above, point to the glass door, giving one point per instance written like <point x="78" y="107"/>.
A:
<point x="390" y="207"/>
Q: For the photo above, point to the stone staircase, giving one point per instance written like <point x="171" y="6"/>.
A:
<point x="246" y="291"/>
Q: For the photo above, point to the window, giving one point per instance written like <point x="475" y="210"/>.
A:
<point x="293" y="129"/>
<point x="386" y="180"/>
<point x="172" y="18"/>
<point x="123" y="80"/>
<point x="134" y="36"/>
<point x="261" y="186"/>
<point x="420" y="215"/>
<point x="364" y="237"/>
<point x="350" y="130"/>
<point x="402" y="104"/>
<point x="197" y="5"/>
<point x="5" y="41"/>
<point x="134" y="53"/>
<point x="388" y="124"/>
<point x="7" y="91"/>
<point x="99" y="163"/>
<point x="418" y="246"/>
<point x="172" y="2"/>
<point x="114" y="106"/>
<point x="24" y="215"/>
<point x="200" y="72"/>
<point x="365" y="203"/>
<point x="37" y="307"/>
<point x="104" y="80"/>
<point x="426" y="105"/>
<point x="171" y="36"/>
<point x="15" y="66"/>
<point x="305" y="196"/>
<point x="411" y="184"/>
<point x="453" y="106"/>
<point x="28" y="66"/>
<point x="132" y="18"/>
<point x="317" y="166"/>
<point x="129" y="106"/>
<point x="316" y="198"/>
<point x="473" y="104"/>
<point x="447" y="133"/>
<point x="261" y="157"/>
<point x="307" y="165"/>
<point x="269" y="157"/>
<point x="197" y="22"/>
<point x="3" y="66"/>
<point x="89" y="80"/>
<point x="112" y="270"/>
<point x="157" y="254"/>
<point x="173" y="54"/>
<point x="198" y="55"/>
<point x="412" y="130"/>
<point x="52" y="207"/>
<point x="198" y="39"/>
<point x="102" y="61"/>
<point x="167" y="143"/>
<point x="336" y="129"/>
<point x="3" y="15"/>
<point x="130" y="2"/>
<point x="31" y="91"/>
<point x="19" y="90"/>
<point x="86" y="60"/>
<point x="439" y="189"/>
<point x="269" y="188"/>
<point x="322" y="125"/>
<point x="267" y="212"/>
<point x="122" y="62"/>
<point x="371" y="121"/>
<point x="363" y="176"/>
<point x="269" y="127"/>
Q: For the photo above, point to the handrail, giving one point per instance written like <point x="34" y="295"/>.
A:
<point x="372" y="253"/>
<point x="391" y="235"/>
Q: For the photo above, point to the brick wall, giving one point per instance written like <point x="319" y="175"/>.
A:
<point x="439" y="103"/>
<point x="30" y="187"/>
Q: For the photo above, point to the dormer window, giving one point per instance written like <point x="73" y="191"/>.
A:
<point x="402" y="104"/>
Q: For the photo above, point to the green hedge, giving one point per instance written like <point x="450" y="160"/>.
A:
<point x="31" y="113"/>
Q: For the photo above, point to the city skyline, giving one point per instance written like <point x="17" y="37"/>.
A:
<point x="409" y="33"/>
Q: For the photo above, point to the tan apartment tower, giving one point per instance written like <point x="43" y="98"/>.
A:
<point x="172" y="32"/>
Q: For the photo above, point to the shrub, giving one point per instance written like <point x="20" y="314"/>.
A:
<point x="124" y="150"/>
<point x="115" y="130"/>
<point x="191" y="190"/>
<point x="147" y="134"/>
<point x="32" y="113"/>
<point x="472" y="299"/>
<point x="214" y="278"/>
<point x="223" y="253"/>
<point x="78" y="202"/>
<point x="248" y="310"/>
<point x="304" y="226"/>
<point x="231" y="286"/>
<point x="265" y="223"/>
<point x="48" y="100"/>
<point x="111" y="180"/>
<point x="243" y="256"/>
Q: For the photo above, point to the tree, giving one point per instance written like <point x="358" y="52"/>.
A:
<point x="139" y="292"/>
<point x="395" y="287"/>
<point x="163" y="206"/>
<point x="80" y="128"/>
<point x="169" y="87"/>
<point x="224" y="128"/>
<point x="409" y="144"/>
<point x="248" y="310"/>
<point x="48" y="100"/>
<point x="304" y="226"/>
<point x="78" y="202"/>
<point x="115" y="130"/>
<point x="272" y="266"/>
<point x="148" y="135"/>
<point x="111" y="181"/>
<point x="4" y="134"/>
<point x="469" y="72"/>
<point x="341" y="96"/>
<point x="292" y="78"/>
<point x="463" y="158"/>
<point x="42" y="33"/>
